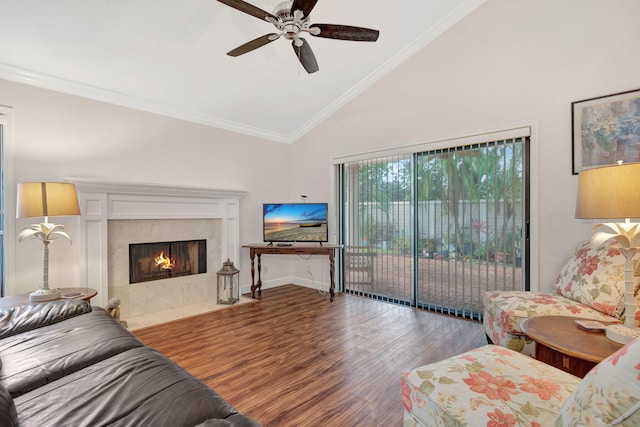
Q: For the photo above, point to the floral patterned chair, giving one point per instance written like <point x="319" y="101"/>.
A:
<point x="590" y="285"/>
<point x="494" y="386"/>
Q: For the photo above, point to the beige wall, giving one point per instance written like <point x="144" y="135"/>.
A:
<point x="57" y="136"/>
<point x="510" y="61"/>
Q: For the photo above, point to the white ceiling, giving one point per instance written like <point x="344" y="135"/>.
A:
<point x="169" y="56"/>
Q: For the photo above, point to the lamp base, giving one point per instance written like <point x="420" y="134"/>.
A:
<point x="44" y="295"/>
<point x="622" y="334"/>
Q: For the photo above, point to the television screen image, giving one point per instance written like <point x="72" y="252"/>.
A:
<point x="295" y="222"/>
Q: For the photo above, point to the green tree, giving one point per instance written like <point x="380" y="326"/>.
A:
<point x="463" y="177"/>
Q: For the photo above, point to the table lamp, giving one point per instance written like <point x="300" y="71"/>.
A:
<point x="610" y="193"/>
<point x="45" y="199"/>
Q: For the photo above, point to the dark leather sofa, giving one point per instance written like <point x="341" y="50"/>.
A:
<point x="65" y="363"/>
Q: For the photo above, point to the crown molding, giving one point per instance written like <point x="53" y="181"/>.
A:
<point x="45" y="81"/>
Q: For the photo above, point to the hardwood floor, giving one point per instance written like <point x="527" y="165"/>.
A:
<point x="295" y="359"/>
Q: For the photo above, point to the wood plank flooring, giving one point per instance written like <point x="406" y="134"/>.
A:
<point x="295" y="359"/>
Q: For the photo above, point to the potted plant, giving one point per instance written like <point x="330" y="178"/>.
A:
<point x="429" y="247"/>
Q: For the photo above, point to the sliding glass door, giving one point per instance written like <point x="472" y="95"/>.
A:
<point x="439" y="228"/>
<point x="471" y="224"/>
<point x="378" y="227"/>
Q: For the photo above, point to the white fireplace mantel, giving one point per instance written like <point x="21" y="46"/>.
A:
<point x="104" y="201"/>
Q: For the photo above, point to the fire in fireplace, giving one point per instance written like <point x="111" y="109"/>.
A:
<point x="162" y="260"/>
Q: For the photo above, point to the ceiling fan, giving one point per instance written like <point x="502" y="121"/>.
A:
<point x="291" y="18"/>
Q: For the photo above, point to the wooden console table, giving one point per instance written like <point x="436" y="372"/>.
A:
<point x="297" y="249"/>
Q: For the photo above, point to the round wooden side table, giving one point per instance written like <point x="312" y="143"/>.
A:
<point x="78" y="293"/>
<point x="561" y="343"/>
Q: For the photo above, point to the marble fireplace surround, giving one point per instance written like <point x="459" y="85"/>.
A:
<point x="160" y="295"/>
<point x="216" y="210"/>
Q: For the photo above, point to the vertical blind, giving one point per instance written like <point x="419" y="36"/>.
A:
<point x="378" y="230"/>
<point x="471" y="221"/>
<point x="438" y="228"/>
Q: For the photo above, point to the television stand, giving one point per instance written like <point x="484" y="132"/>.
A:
<point x="259" y="249"/>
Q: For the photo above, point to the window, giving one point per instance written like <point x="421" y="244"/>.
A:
<point x="2" y="220"/>
<point x="6" y="203"/>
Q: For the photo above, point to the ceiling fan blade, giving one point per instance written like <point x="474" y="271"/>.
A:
<point x="248" y="8"/>
<point x="346" y="32"/>
<point x="254" y="44"/>
<point x="305" y="6"/>
<point x="305" y="55"/>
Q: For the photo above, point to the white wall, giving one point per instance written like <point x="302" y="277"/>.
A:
<point x="58" y="136"/>
<point x="509" y="61"/>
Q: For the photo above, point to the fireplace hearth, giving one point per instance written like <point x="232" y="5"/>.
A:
<point x="164" y="260"/>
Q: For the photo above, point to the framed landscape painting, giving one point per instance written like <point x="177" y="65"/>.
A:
<point x="606" y="130"/>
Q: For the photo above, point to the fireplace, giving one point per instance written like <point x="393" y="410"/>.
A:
<point x="163" y="260"/>
<point x="117" y="214"/>
<point x="163" y="289"/>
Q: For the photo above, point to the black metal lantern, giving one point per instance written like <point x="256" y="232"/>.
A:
<point x="228" y="283"/>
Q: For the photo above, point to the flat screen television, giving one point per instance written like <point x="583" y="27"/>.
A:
<point x="295" y="222"/>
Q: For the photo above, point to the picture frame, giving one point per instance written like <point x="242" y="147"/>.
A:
<point x="605" y="130"/>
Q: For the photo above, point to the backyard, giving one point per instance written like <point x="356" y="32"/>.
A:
<point x="456" y="284"/>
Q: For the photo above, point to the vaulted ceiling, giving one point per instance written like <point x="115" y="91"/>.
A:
<point x="169" y="57"/>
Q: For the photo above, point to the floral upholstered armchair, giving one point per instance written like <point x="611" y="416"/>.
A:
<point x="590" y="285"/>
<point x="494" y="386"/>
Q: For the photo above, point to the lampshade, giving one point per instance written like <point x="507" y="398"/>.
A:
<point x="609" y="192"/>
<point x="37" y="199"/>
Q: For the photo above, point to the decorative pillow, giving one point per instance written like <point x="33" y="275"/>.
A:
<point x="608" y="395"/>
<point x="594" y="276"/>
<point x="8" y="413"/>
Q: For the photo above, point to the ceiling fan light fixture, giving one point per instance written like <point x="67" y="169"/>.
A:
<point x="291" y="18"/>
<point x="298" y="15"/>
